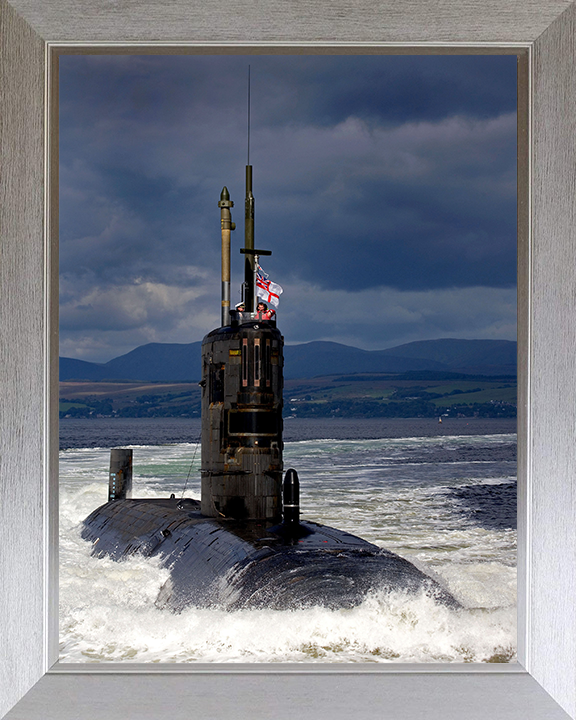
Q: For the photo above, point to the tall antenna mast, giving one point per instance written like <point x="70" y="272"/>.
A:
<point x="250" y="261"/>
<point x="248" y="163"/>
<point x="249" y="225"/>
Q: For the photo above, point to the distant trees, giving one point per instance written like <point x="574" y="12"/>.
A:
<point x="173" y="405"/>
<point x="86" y="408"/>
<point x="407" y="409"/>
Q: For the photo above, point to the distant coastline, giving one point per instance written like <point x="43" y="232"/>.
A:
<point x="385" y="395"/>
<point x="431" y="378"/>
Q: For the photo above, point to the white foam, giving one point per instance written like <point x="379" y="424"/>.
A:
<point x="123" y="625"/>
<point x="108" y="612"/>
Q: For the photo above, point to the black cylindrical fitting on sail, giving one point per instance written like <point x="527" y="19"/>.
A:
<point x="291" y="499"/>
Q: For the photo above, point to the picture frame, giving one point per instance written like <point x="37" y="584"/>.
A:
<point x="32" y="684"/>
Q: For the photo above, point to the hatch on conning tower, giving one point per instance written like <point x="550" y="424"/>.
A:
<point x="242" y="386"/>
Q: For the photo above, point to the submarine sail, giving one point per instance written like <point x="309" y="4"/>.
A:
<point x="244" y="543"/>
<point x="242" y="411"/>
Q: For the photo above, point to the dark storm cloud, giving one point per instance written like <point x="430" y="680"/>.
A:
<point x="290" y="89"/>
<point x="392" y="90"/>
<point x="422" y="206"/>
<point x="371" y="174"/>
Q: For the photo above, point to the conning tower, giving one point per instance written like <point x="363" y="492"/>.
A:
<point x="242" y="386"/>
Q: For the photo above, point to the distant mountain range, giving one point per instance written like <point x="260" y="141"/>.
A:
<point x="179" y="362"/>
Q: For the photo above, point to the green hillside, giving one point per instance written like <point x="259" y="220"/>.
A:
<point x="422" y="394"/>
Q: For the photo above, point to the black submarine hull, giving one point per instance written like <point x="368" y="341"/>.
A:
<point x="231" y="564"/>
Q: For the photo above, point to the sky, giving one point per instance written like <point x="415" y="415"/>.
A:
<point x="385" y="187"/>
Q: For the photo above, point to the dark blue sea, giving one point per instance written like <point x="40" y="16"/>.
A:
<point x="111" y="432"/>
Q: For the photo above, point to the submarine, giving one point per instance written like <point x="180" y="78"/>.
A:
<point x="244" y="543"/>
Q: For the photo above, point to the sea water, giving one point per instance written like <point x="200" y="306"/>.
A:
<point x="442" y="496"/>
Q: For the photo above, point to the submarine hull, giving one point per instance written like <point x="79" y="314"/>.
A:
<point x="248" y="564"/>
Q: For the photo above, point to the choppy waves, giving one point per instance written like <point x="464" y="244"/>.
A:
<point x="409" y="495"/>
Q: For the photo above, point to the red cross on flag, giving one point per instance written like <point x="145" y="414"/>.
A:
<point x="269" y="292"/>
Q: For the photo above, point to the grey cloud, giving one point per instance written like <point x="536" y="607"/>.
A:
<point x="369" y="173"/>
<point x="384" y="317"/>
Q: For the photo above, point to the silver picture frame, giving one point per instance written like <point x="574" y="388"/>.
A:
<point x="33" y="685"/>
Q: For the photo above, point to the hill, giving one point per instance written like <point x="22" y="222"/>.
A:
<point x="180" y="362"/>
<point x="488" y="357"/>
<point x="154" y="362"/>
<point x="330" y="358"/>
